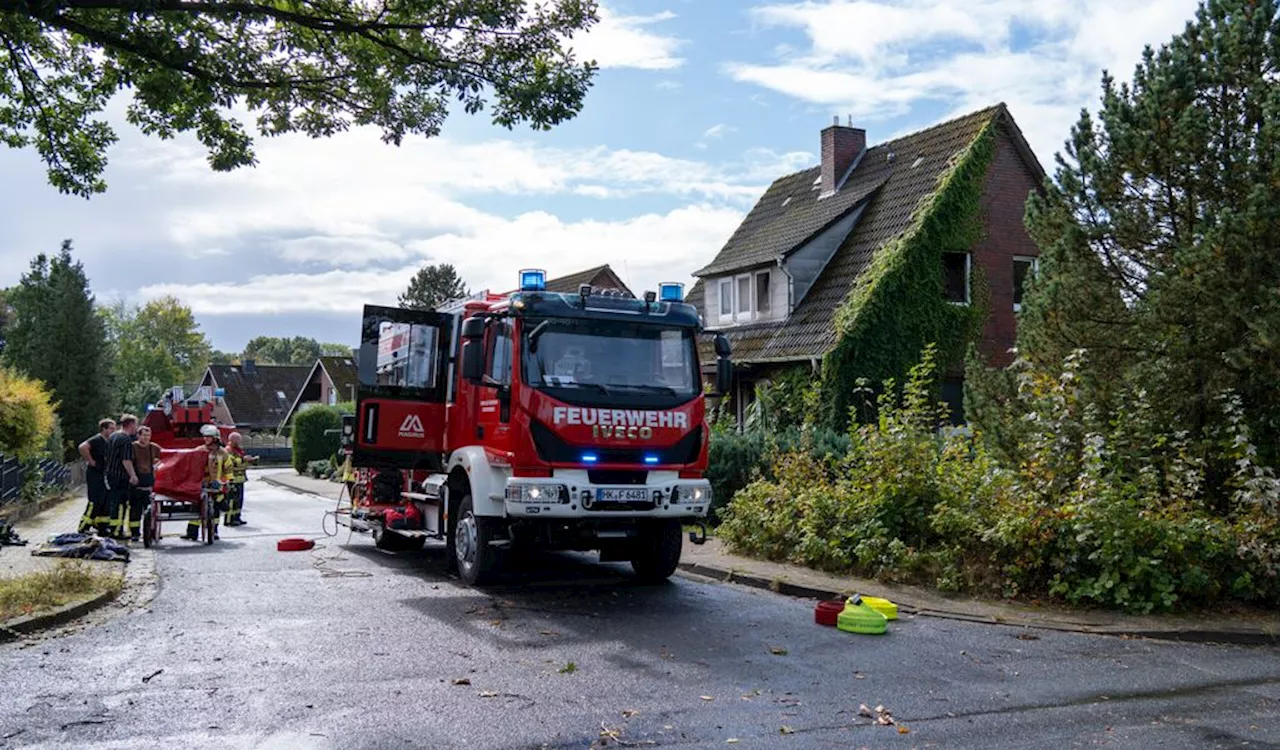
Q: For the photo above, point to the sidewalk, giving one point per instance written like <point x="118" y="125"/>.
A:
<point x="291" y="480"/>
<point x="712" y="561"/>
<point x="59" y="519"/>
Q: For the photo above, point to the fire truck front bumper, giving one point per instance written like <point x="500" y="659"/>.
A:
<point x="573" y="495"/>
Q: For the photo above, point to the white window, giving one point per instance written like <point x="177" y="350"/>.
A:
<point x="955" y="272"/>
<point x="762" y="294"/>
<point x="743" y="308"/>
<point x="745" y="297"/>
<point x="1022" y="267"/>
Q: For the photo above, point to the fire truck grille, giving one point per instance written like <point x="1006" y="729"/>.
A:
<point x="551" y="448"/>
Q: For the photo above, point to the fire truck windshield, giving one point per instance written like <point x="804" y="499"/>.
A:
<point x="607" y="362"/>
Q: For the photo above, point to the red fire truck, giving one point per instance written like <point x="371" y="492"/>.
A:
<point x="534" y="420"/>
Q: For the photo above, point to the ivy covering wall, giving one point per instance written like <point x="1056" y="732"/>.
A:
<point x="897" y="307"/>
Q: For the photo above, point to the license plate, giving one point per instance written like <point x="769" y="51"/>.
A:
<point x="618" y="495"/>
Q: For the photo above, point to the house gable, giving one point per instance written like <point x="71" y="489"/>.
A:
<point x="889" y="184"/>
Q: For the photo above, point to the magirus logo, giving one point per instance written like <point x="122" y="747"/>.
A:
<point x="412" y="427"/>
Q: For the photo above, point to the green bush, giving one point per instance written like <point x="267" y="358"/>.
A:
<point x="736" y="459"/>
<point x="319" y="469"/>
<point x="310" y="441"/>
<point x="27" y="415"/>
<point x="1069" y="519"/>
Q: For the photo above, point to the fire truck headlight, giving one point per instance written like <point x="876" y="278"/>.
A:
<point x="535" y="493"/>
<point x="693" y="494"/>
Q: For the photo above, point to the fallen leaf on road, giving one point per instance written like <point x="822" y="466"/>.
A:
<point x="496" y="623"/>
<point x="864" y="711"/>
<point x="462" y="681"/>
<point x="487" y="694"/>
<point x="732" y="741"/>
<point x="630" y="713"/>
<point x="1027" y="637"/>
<point x="778" y="651"/>
<point x="707" y="697"/>
<point x="547" y="632"/>
<point x="569" y="668"/>
<point x="903" y="730"/>
<point x="784" y="729"/>
<point x="859" y="676"/>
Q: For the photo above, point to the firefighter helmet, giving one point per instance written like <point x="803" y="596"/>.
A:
<point x="208" y="430"/>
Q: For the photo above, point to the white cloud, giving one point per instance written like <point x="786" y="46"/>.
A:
<point x="719" y="130"/>
<point x="626" y="42"/>
<point x="877" y="59"/>
<point x="644" y="250"/>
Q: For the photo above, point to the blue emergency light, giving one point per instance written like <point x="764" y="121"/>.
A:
<point x="670" y="291"/>
<point x="651" y="459"/>
<point x="220" y="392"/>
<point x="589" y="458"/>
<point x="533" y="280"/>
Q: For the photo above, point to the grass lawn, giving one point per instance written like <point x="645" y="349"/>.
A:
<point x="69" y="581"/>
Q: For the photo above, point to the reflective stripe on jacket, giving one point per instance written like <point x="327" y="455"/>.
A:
<point x="236" y="456"/>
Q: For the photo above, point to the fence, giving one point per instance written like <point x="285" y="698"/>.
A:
<point x="13" y="474"/>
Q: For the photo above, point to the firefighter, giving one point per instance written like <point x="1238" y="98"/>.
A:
<point x="235" y="497"/>
<point x="94" y="453"/>
<point x="217" y="480"/>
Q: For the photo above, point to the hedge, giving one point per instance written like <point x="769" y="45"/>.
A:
<point x="310" y="443"/>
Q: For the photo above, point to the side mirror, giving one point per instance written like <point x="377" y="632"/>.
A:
<point x="724" y="375"/>
<point x="722" y="346"/>
<point x="473" y="328"/>
<point x="473" y="361"/>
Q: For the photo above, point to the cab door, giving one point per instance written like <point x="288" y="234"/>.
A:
<point x="404" y="368"/>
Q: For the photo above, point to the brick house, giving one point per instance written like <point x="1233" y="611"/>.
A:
<point x="775" y="286"/>
<point x="331" y="380"/>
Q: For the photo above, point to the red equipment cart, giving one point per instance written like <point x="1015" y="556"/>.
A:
<point x="181" y="494"/>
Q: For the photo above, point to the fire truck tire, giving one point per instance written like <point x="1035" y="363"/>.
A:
<point x="469" y="545"/>
<point x="657" y="552"/>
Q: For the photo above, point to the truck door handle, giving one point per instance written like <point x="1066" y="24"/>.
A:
<point x="370" y="424"/>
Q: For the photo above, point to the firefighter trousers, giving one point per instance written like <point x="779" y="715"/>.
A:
<point x="235" y="502"/>
<point x="95" y="513"/>
<point x="219" y="506"/>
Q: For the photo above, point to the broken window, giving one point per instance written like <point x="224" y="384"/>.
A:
<point x="1022" y="268"/>
<point x="955" y="270"/>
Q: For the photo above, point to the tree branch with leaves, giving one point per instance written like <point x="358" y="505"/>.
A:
<point x="316" y="67"/>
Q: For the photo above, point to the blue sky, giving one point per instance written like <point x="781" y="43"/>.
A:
<point x="698" y="106"/>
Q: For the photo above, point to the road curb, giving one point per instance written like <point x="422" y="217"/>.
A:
<point x="1187" y="635"/>
<point x="17" y="628"/>
<point x="26" y="511"/>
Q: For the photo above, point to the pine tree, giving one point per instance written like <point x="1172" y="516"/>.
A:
<point x="432" y="286"/>
<point x="56" y="336"/>
<point x="1160" y="231"/>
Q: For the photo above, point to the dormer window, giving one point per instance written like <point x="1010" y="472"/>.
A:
<point x="744" y="298"/>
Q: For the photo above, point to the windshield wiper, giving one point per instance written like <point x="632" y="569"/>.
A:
<point x="651" y="387"/>
<point x="576" y="384"/>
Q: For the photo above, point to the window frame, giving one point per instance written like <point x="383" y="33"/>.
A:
<point x="722" y="284"/>
<point x="499" y="330"/>
<point x="1034" y="262"/>
<point x="758" y="313"/>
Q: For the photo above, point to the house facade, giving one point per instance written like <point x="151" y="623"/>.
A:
<point x="332" y="380"/>
<point x="255" y="397"/>
<point x="832" y="236"/>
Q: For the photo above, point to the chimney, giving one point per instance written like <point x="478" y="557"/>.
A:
<point x="841" y="146"/>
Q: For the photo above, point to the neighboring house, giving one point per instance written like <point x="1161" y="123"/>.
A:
<point x="600" y="277"/>
<point x="255" y="397"/>
<point x="775" y="286"/>
<point x="331" y="380"/>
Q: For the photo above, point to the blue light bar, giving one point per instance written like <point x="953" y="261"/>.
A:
<point x="533" y="280"/>
<point x="220" y="392"/>
<point x="670" y="291"/>
<point x="651" y="459"/>
<point x="589" y="458"/>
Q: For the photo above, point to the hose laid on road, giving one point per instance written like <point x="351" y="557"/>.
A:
<point x="321" y="563"/>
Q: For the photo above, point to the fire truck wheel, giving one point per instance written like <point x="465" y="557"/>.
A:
<point x="657" y="552"/>
<point x="469" y="545"/>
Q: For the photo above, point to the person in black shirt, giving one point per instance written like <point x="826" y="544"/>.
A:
<point x="94" y="453"/>
<point x="120" y="475"/>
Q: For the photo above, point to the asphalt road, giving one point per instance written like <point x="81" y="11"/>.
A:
<point x="238" y="645"/>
